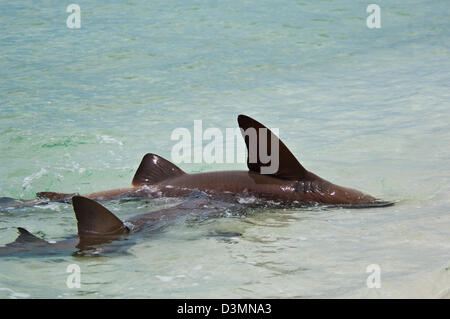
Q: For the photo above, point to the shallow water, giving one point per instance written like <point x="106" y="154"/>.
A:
<point x="364" y="108"/>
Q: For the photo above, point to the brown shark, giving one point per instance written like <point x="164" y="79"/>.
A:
<point x="290" y="184"/>
<point x="100" y="232"/>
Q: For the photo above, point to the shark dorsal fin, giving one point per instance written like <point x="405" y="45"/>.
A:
<point x="154" y="169"/>
<point x="95" y="220"/>
<point x="289" y="168"/>
<point x="25" y="237"/>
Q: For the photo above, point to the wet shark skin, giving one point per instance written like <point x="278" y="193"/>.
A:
<point x="140" y="227"/>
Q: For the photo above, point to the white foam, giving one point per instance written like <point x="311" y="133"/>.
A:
<point x="247" y="200"/>
<point x="109" y="140"/>
<point x="164" y="278"/>
<point x="27" y="180"/>
<point x="15" y="295"/>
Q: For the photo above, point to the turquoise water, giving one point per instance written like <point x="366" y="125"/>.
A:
<point x="364" y="108"/>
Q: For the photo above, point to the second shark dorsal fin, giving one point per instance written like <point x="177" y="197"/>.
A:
<point x="289" y="167"/>
<point x="154" y="169"/>
<point x="25" y="237"/>
<point x="95" y="220"/>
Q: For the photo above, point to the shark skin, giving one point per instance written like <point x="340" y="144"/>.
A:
<point x="100" y="232"/>
<point x="290" y="185"/>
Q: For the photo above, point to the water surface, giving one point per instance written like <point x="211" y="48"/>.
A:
<point x="364" y="108"/>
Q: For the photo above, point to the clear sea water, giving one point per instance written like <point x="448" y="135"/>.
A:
<point x="364" y="108"/>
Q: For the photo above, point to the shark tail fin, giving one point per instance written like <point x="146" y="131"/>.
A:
<point x="258" y="136"/>
<point x="95" y="220"/>
<point x="154" y="169"/>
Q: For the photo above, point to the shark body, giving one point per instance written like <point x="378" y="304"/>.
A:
<point x="291" y="184"/>
<point x="101" y="232"/>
